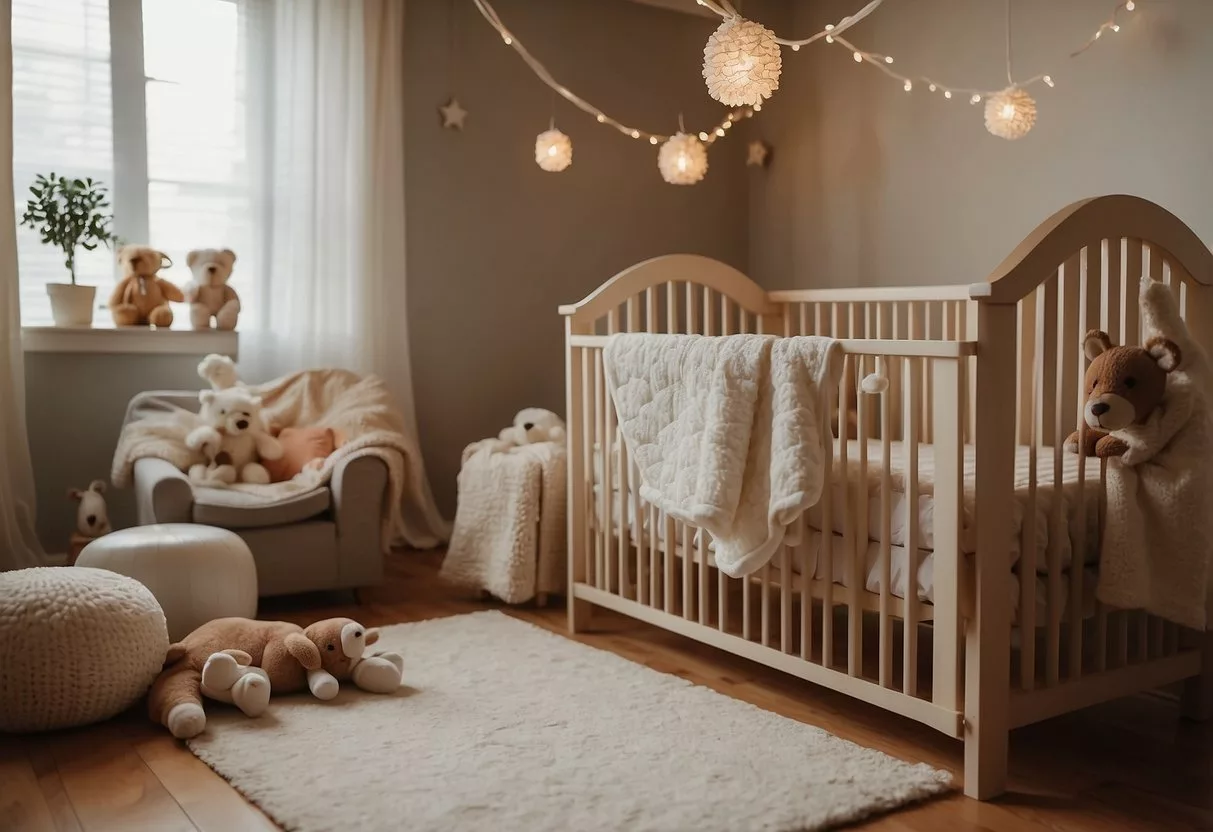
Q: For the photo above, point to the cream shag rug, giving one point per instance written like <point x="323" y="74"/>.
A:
<point x="503" y="726"/>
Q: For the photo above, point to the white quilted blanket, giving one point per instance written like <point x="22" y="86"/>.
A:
<point x="510" y="537"/>
<point x="726" y="431"/>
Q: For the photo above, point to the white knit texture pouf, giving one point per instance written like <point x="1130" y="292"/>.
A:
<point x="197" y="573"/>
<point x="76" y="646"/>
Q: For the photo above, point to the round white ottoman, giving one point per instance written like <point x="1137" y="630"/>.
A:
<point x="76" y="646"/>
<point x="197" y="573"/>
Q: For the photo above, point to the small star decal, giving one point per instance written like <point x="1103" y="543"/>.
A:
<point x="758" y="154"/>
<point x="453" y="115"/>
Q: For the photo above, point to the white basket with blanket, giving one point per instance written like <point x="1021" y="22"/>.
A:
<point x="510" y="536"/>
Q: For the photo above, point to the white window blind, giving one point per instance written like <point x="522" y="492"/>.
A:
<point x="190" y="116"/>
<point x="61" y="124"/>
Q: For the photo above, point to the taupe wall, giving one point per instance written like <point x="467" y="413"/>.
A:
<point x="75" y="404"/>
<point x="495" y="244"/>
<point x="870" y="185"/>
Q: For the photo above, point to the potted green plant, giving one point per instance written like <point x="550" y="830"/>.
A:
<point x="70" y="214"/>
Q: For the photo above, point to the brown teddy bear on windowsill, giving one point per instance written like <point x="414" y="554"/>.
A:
<point x="142" y="296"/>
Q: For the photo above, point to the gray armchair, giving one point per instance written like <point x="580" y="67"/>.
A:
<point x="325" y="539"/>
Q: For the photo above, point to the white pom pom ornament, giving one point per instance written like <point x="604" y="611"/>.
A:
<point x="553" y="150"/>
<point x="1010" y="114"/>
<point x="741" y="63"/>
<point x="682" y="160"/>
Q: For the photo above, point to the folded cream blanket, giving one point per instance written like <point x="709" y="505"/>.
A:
<point x="510" y="537"/>
<point x="726" y="431"/>
<point x="1158" y="535"/>
<point x="358" y="407"/>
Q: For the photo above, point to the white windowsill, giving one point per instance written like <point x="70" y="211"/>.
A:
<point x="104" y="337"/>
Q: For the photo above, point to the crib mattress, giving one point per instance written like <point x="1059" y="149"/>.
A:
<point x="1073" y="514"/>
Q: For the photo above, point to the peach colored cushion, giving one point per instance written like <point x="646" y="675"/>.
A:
<point x="300" y="446"/>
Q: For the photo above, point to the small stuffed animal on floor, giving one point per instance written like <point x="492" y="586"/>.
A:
<point x="289" y="657"/>
<point x="142" y="296"/>
<point x="209" y="296"/>
<point x="232" y="437"/>
<point x="1123" y="385"/>
<point x="92" y="519"/>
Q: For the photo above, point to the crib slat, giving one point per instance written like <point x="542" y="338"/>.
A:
<point x="886" y="533"/>
<point x="602" y="543"/>
<point x="654" y="548"/>
<point x="746" y="613"/>
<point x="1060" y="416"/>
<point x="633" y="310"/>
<point x="826" y="550"/>
<point x="804" y="318"/>
<point x="914" y="396"/>
<point x="704" y="606"/>
<point x="765" y="584"/>
<point x="637" y="530"/>
<point x="667" y="582"/>
<point x="708" y="326"/>
<point x="588" y="436"/>
<point x="1109" y="299"/>
<point x="613" y="320"/>
<point x="806" y="597"/>
<point x="688" y="558"/>
<point x="858" y="550"/>
<point x="785" y="599"/>
<point x="1035" y="312"/>
<point x="1130" y="305"/>
<point x="726" y="315"/>
<point x="949" y="471"/>
<point x="671" y="307"/>
<point x="692" y="310"/>
<point x="743" y="321"/>
<point x="623" y="521"/>
<point x="1089" y="271"/>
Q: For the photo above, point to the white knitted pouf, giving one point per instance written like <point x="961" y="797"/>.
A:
<point x="76" y="646"/>
<point x="197" y="573"/>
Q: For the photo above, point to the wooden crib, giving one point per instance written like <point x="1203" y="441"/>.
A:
<point x="1008" y="633"/>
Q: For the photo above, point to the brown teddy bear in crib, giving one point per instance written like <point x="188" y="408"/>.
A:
<point x="1123" y="386"/>
<point x="241" y="661"/>
<point x="142" y="296"/>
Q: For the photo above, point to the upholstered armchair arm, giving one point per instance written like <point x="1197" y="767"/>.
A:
<point x="359" y="488"/>
<point x="162" y="493"/>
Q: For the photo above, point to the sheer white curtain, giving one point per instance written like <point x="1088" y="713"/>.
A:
<point x="327" y="119"/>
<point x="19" y="546"/>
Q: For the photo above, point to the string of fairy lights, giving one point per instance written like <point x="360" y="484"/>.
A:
<point x="742" y="66"/>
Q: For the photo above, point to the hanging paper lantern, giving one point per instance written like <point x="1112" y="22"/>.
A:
<point x="682" y="160"/>
<point x="553" y="150"/>
<point x="1010" y="114"/>
<point x="741" y="63"/>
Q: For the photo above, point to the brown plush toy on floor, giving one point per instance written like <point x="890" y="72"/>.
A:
<point x="1123" y="386"/>
<point x="241" y="661"/>
<point x="142" y="296"/>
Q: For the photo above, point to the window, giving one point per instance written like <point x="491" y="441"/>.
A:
<point x="150" y="97"/>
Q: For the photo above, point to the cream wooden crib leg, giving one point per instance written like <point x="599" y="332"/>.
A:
<point x="579" y="614"/>
<point x="988" y="634"/>
<point x="1197" y="702"/>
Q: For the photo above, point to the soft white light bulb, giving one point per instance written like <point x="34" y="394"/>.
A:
<point x="508" y="40"/>
<point x="757" y="107"/>
<point x="727" y="124"/>
<point x="931" y="88"/>
<point x="888" y="59"/>
<point x="1115" y="27"/>
<point x="682" y="162"/>
<point x="829" y="27"/>
<point x="552" y="150"/>
<point x="1130" y="6"/>
<point x="976" y="99"/>
<point x="719" y="131"/>
<point x="1097" y="34"/>
<point x="601" y="118"/>
<point x="703" y="137"/>
<point x="795" y="47"/>
<point x="858" y="58"/>
<point x="1048" y="79"/>
<point x="829" y="38"/>
<point x="947" y="93"/>
<point x="635" y="134"/>
<point x="909" y="86"/>
<point x="652" y="140"/>
<point x="1008" y="111"/>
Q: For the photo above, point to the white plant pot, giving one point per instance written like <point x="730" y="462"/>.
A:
<point x="71" y="305"/>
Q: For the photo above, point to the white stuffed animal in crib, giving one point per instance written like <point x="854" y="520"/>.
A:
<point x="531" y="425"/>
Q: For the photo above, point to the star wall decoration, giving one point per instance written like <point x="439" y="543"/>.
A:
<point x="758" y="154"/>
<point x="453" y="115"/>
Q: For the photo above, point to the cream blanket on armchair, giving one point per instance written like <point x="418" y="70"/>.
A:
<point x="1158" y="535"/>
<point x="358" y="408"/>
<point x="726" y="431"/>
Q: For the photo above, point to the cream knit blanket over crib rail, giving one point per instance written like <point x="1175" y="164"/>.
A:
<point x="726" y="431"/>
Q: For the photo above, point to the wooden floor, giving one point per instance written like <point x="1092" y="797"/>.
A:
<point x="1128" y="765"/>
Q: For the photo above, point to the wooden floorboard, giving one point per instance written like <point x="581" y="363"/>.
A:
<point x="1127" y="765"/>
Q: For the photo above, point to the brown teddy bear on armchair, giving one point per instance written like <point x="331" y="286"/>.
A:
<point x="142" y="296"/>
<point x="241" y="661"/>
<point x="1123" y="385"/>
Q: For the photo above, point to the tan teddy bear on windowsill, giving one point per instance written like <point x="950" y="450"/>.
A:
<point x="142" y="296"/>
